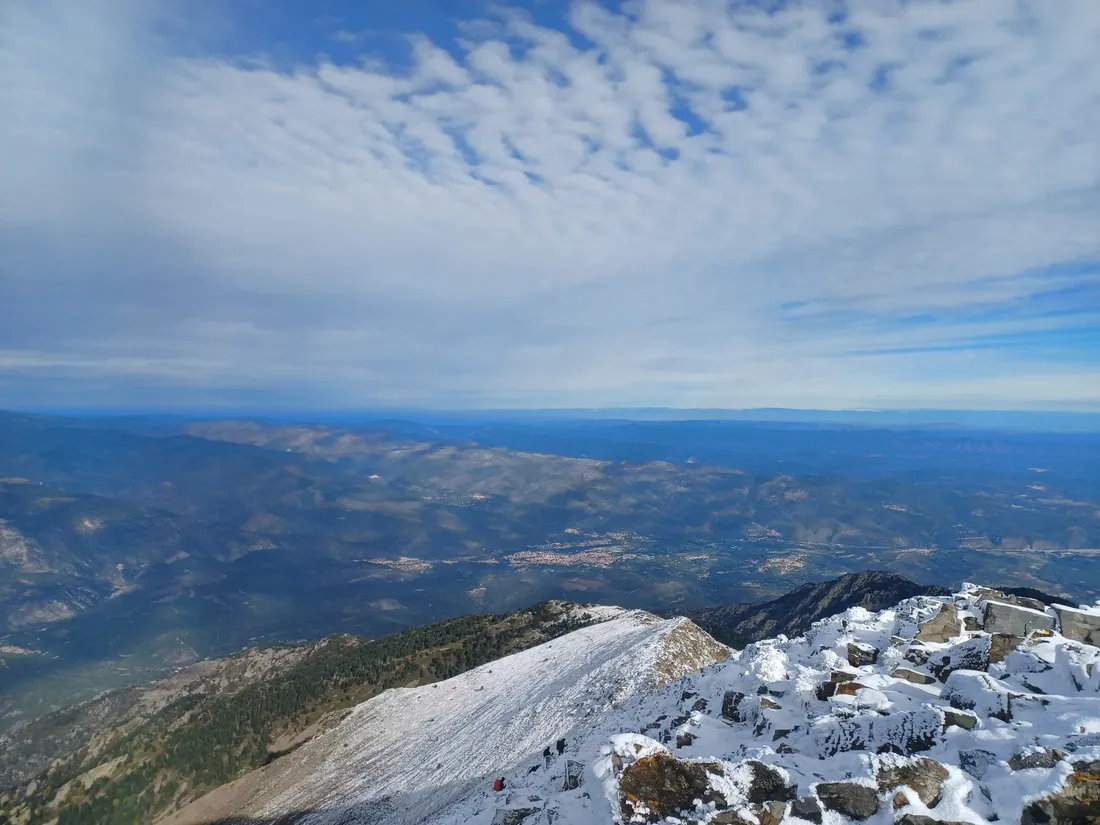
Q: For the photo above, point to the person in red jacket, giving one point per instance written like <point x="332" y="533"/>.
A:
<point x="498" y="785"/>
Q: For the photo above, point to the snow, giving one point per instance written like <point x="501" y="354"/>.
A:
<point x="429" y="755"/>
<point x="410" y="752"/>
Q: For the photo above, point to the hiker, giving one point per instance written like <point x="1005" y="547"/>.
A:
<point x="561" y="747"/>
<point x="498" y="785"/>
<point x="546" y="755"/>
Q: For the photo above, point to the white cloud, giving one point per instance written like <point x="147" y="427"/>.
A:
<point x="710" y="206"/>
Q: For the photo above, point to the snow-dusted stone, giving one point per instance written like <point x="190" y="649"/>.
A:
<point x="999" y="617"/>
<point x="1001" y="644"/>
<point x="942" y="627"/>
<point x="1079" y="625"/>
<point x="971" y="624"/>
<point x="1075" y="803"/>
<point x="968" y="690"/>
<point x="767" y="813"/>
<point x="860" y="654"/>
<point x="513" y="816"/>
<point x="808" y="808"/>
<point x="1045" y="758"/>
<point x="960" y="719"/>
<point x="848" y="798"/>
<point x="731" y="706"/>
<point x="661" y="785"/>
<point x="921" y="819"/>
<point x="973" y="654"/>
<point x="925" y="776"/>
<point x="767" y="784"/>
<point x="976" y="761"/>
<point x="914" y="676"/>
<point x="983" y="594"/>
<point x="917" y="654"/>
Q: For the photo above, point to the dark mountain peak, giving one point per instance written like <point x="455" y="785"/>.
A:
<point x="794" y="612"/>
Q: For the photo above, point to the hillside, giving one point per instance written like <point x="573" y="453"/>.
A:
<point x="976" y="707"/>
<point x="128" y="755"/>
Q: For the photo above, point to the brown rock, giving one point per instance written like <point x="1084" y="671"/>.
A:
<point x="661" y="785"/>
<point x="860" y="655"/>
<point x="914" y="676"/>
<point x="848" y="688"/>
<point x="959" y="719"/>
<point x="943" y="627"/>
<point x="1001" y="644"/>
<point x="848" y="798"/>
<point x="923" y="775"/>
<point x="768" y="703"/>
<point x="1075" y="803"/>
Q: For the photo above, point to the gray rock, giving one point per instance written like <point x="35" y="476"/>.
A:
<point x="1038" y="758"/>
<point x="973" y="654"/>
<point x="960" y="719"/>
<point x="1078" y="625"/>
<point x="684" y="740"/>
<point x="848" y="798"/>
<point x="513" y="816"/>
<point x="860" y="655"/>
<point x="917" y="654"/>
<point x="767" y="784"/>
<point x="943" y="627"/>
<point x="967" y="690"/>
<point x="971" y="624"/>
<point x="807" y="808"/>
<point x="914" y="676"/>
<point x="999" y="617"/>
<point x="731" y="706"/>
<point x="976" y="761"/>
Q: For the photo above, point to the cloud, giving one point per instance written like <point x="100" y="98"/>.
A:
<point x="691" y="203"/>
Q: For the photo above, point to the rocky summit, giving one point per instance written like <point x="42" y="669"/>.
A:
<point x="973" y="707"/>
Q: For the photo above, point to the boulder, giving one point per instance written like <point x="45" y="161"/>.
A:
<point x="971" y="624"/>
<point x="976" y="761"/>
<point x="960" y="719"/>
<point x="861" y="655"/>
<point x="1045" y="758"/>
<point x="942" y="627"/>
<point x="767" y="703"/>
<point x="1000" y="617"/>
<point x="923" y="775"/>
<point x="684" y="740"/>
<point x="917" y="654"/>
<point x="967" y="690"/>
<point x="767" y="813"/>
<point x="1075" y="803"/>
<point x="767" y="784"/>
<point x="731" y="706"/>
<point x="848" y="799"/>
<point x="700" y="705"/>
<point x="848" y="688"/>
<point x="973" y="654"/>
<point x="661" y="785"/>
<point x="984" y="594"/>
<point x="808" y="808"/>
<point x="1001" y="644"/>
<point x="914" y="676"/>
<point x="921" y="819"/>
<point x="513" y="816"/>
<point x="1079" y="625"/>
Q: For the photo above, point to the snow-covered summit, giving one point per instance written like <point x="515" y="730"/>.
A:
<point x="977" y="707"/>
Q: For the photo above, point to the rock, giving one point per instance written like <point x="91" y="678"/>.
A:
<point x="971" y="624"/>
<point x="808" y="808"/>
<point x="684" y="740"/>
<point x="976" y="761"/>
<point x="923" y="775"/>
<point x="917" y="654"/>
<point x="921" y="819"/>
<point x="768" y="703"/>
<point x="848" y="798"/>
<point x="960" y="719"/>
<point x="861" y="655"/>
<point x="1000" y="617"/>
<point x="1036" y="758"/>
<point x="914" y="676"/>
<point x="661" y="785"/>
<point x="1001" y="644"/>
<point x="574" y="775"/>
<point x="943" y="627"/>
<point x="897" y="640"/>
<point x="1075" y="803"/>
<point x="1079" y="625"/>
<point x="965" y="690"/>
<point x="513" y="816"/>
<point x="848" y="688"/>
<point x="731" y="703"/>
<point x="984" y="594"/>
<point x="973" y="654"/>
<point x="700" y="705"/>
<point x="768" y="813"/>
<point x="687" y="694"/>
<point x="767" y="784"/>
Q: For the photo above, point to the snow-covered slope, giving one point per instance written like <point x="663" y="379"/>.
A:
<point x="409" y="753"/>
<point x="858" y="720"/>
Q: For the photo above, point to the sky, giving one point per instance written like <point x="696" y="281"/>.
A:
<point x="545" y="204"/>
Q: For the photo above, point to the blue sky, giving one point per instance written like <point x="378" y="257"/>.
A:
<point x="452" y="203"/>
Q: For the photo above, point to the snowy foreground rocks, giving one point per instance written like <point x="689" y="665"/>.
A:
<point x="974" y="708"/>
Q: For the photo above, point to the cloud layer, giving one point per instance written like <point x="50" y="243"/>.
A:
<point x="689" y="203"/>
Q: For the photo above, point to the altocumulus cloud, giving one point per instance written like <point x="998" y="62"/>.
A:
<point x="686" y="203"/>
